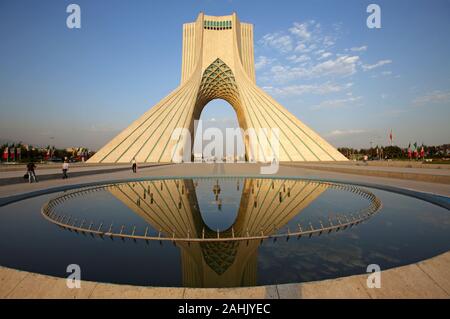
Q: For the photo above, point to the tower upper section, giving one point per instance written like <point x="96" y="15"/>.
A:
<point x="213" y="37"/>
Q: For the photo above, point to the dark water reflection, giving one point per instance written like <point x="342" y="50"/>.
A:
<point x="406" y="230"/>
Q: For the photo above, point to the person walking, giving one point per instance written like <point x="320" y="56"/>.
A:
<point x="65" y="168"/>
<point x="134" y="165"/>
<point x="30" y="171"/>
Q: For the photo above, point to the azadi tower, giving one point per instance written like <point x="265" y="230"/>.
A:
<point x="218" y="63"/>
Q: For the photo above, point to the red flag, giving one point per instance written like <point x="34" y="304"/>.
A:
<point x="5" y="153"/>
<point x="422" y="152"/>
<point x="390" y="137"/>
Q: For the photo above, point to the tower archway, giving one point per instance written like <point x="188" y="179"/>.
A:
<point x="218" y="83"/>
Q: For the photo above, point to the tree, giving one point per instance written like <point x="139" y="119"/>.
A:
<point x="392" y="152"/>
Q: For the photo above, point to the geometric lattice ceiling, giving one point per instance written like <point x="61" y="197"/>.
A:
<point x="218" y="83"/>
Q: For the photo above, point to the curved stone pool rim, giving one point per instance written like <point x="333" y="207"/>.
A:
<point x="431" y="280"/>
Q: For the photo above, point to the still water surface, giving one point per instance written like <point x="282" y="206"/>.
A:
<point x="404" y="231"/>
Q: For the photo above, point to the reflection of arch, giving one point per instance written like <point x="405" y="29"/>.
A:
<point x="175" y="209"/>
<point x="217" y="63"/>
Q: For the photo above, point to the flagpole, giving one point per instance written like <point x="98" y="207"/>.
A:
<point x="391" y="137"/>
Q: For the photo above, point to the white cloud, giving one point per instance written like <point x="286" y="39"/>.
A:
<point x="368" y="67"/>
<point x="302" y="37"/>
<point x="337" y="103"/>
<point x="359" y="49"/>
<point x="328" y="41"/>
<point x="301" y="31"/>
<point x="303" y="48"/>
<point x="262" y="61"/>
<point x="306" y="52"/>
<point x="341" y="66"/>
<point x="325" y="55"/>
<point x="299" y="59"/>
<point x="345" y="132"/>
<point x="319" y="52"/>
<point x="282" y="43"/>
<point x="433" y="97"/>
<point x="297" y="90"/>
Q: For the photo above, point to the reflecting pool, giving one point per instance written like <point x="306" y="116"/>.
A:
<point x="223" y="232"/>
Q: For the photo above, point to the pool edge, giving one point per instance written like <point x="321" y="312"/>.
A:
<point x="431" y="280"/>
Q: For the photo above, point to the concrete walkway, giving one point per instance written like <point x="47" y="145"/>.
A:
<point x="431" y="175"/>
<point x="426" y="279"/>
<point x="225" y="169"/>
<point x="16" y="176"/>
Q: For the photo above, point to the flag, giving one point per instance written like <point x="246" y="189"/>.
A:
<point x="416" y="153"/>
<point x="13" y="153"/>
<point x="6" y="154"/>
<point x="422" y="152"/>
<point x="409" y="151"/>
<point x="391" y="137"/>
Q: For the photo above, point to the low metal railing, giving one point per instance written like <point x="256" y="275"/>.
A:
<point x="337" y="223"/>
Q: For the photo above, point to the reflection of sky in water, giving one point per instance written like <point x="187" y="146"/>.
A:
<point x="406" y="230"/>
<point x="28" y="242"/>
<point x="229" y="195"/>
<point x="332" y="202"/>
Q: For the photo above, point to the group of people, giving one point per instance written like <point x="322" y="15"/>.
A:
<point x="31" y="173"/>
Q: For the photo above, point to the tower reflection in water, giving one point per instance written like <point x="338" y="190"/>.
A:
<point x="172" y="207"/>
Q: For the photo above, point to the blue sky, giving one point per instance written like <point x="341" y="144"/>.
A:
<point x="318" y="58"/>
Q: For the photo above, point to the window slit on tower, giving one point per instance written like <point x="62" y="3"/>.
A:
<point x="217" y="25"/>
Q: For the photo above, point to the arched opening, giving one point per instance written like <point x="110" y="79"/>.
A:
<point x="223" y="127"/>
<point x="218" y="135"/>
